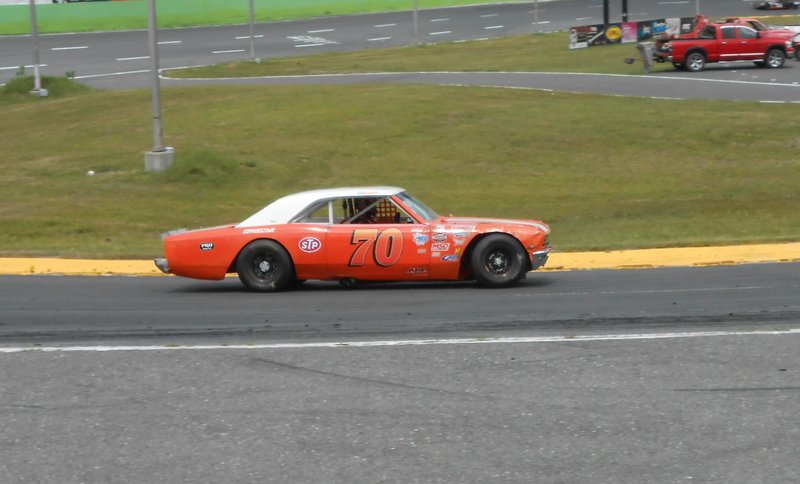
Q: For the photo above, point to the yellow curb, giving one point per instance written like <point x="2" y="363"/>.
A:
<point x="680" y="257"/>
<point x="566" y="261"/>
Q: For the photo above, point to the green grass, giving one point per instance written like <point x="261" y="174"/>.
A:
<point x="606" y="172"/>
<point x="81" y="17"/>
<point x="528" y="53"/>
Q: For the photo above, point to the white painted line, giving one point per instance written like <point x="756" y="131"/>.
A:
<point x="440" y="20"/>
<point x="583" y="18"/>
<point x="310" y="45"/>
<point x="133" y="58"/>
<point x="91" y="76"/>
<point x="441" y="33"/>
<point x="492" y="27"/>
<point x="418" y="342"/>
<point x="674" y="3"/>
<point x="490" y="15"/>
<point x="542" y="23"/>
<point x="259" y="36"/>
<point x="168" y="42"/>
<point x="227" y="51"/>
<point x="385" y="25"/>
<point x="319" y="31"/>
<point x="77" y="47"/>
<point x="14" y="68"/>
<point x="378" y="39"/>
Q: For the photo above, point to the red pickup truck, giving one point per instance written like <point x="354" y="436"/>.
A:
<point x="726" y="42"/>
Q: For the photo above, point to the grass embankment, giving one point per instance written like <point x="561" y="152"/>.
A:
<point x="90" y="16"/>
<point x="606" y="172"/>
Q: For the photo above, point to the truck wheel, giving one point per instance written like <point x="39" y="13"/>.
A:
<point x="775" y="58"/>
<point x="695" y="62"/>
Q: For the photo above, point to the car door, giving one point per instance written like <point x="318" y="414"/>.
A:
<point x="388" y="246"/>
<point x="749" y="44"/>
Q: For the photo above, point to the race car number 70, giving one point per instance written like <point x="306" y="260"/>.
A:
<point x="387" y="247"/>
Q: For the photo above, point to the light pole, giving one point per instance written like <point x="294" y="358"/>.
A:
<point x="37" y="78"/>
<point x="161" y="157"/>
<point x="252" y="35"/>
<point x="416" y="26"/>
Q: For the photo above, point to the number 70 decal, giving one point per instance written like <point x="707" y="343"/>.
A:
<point x="387" y="247"/>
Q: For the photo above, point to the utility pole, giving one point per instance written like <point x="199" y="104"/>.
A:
<point x="252" y="35"/>
<point x="161" y="157"/>
<point x="37" y="78"/>
<point x="624" y="10"/>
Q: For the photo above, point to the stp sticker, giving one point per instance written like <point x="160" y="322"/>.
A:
<point x="310" y="244"/>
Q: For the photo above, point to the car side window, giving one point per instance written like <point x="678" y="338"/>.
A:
<point x="747" y="33"/>
<point x="728" y="33"/>
<point x="709" y="32"/>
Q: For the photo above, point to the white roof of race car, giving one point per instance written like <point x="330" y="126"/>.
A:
<point x="284" y="209"/>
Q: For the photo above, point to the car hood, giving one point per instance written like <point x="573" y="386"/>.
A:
<point x="480" y="220"/>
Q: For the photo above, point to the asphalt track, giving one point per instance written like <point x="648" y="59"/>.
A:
<point x="684" y="371"/>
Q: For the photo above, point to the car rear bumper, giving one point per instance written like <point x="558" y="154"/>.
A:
<point x="163" y="264"/>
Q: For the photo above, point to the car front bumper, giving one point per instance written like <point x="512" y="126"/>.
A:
<point x="539" y="258"/>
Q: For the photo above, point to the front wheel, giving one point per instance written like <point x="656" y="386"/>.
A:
<point x="265" y="266"/>
<point x="775" y="58"/>
<point x="498" y="260"/>
<point x="695" y="62"/>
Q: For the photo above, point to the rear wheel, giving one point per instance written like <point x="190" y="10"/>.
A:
<point x="695" y="62"/>
<point x="265" y="266"/>
<point x="775" y="58"/>
<point x="498" y="260"/>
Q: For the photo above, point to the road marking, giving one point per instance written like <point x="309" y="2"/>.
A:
<point x="492" y="27"/>
<point x="378" y="39"/>
<point x="125" y="73"/>
<point x="77" y="47"/>
<point x="385" y="25"/>
<point x="583" y="18"/>
<point x="490" y="15"/>
<point x="674" y="3"/>
<point x="416" y="342"/>
<point x="439" y="19"/>
<point x="14" y="68"/>
<point x="133" y="58"/>
<point x="168" y="42"/>
<point x="227" y="51"/>
<point x="319" y="31"/>
<point x="542" y="22"/>
<point x="259" y="36"/>
<point x="441" y="33"/>
<point x="311" y="45"/>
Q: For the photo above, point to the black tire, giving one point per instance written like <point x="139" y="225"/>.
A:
<point x="695" y="62"/>
<point x="678" y="65"/>
<point x="265" y="266"/>
<point x="498" y="260"/>
<point x="797" y="52"/>
<point x="775" y="58"/>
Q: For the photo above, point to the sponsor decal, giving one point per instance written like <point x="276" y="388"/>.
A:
<point x="418" y="270"/>
<point x="450" y="258"/>
<point x="441" y="247"/>
<point x="459" y="241"/>
<point x="263" y="230"/>
<point x="420" y="239"/>
<point x="435" y="254"/>
<point x="439" y="237"/>
<point x="422" y="251"/>
<point x="310" y="244"/>
<point x="461" y="235"/>
<point x="207" y="246"/>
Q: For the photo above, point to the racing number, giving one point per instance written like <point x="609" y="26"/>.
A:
<point x="387" y="247"/>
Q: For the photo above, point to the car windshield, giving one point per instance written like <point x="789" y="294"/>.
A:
<point x="420" y="208"/>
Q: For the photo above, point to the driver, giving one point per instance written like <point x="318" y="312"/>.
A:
<point x="364" y="217"/>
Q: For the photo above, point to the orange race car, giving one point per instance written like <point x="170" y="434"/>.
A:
<point x="357" y="234"/>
